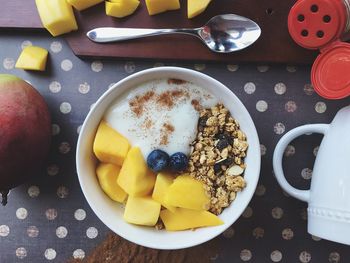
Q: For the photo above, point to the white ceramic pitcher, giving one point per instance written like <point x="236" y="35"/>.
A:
<point x="329" y="194"/>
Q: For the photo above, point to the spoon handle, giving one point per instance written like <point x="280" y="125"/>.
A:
<point x="111" y="34"/>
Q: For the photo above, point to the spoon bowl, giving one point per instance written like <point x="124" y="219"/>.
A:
<point x="222" y="33"/>
<point x="228" y="33"/>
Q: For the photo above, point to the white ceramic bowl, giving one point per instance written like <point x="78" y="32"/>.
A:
<point x="111" y="213"/>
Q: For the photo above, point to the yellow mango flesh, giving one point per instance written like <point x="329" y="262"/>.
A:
<point x="161" y="187"/>
<point x="196" y="7"/>
<point x="141" y="211"/>
<point x="187" y="192"/>
<point x="107" y="175"/>
<point x="135" y="177"/>
<point x="121" y="8"/>
<point x="32" y="58"/>
<point x="183" y="219"/>
<point x="83" y="4"/>
<point x="109" y="145"/>
<point x="57" y="16"/>
<point x="160" y="6"/>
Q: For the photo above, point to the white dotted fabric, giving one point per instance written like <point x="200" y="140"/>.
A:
<point x="48" y="219"/>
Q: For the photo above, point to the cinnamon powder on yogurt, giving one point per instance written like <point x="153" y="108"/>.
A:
<point x="160" y="114"/>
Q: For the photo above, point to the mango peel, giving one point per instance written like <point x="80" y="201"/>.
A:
<point x="25" y="132"/>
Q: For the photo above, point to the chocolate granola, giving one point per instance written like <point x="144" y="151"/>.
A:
<point x="217" y="156"/>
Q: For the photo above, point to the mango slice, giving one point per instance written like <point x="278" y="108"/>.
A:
<point x="141" y="211"/>
<point x="107" y="175"/>
<point x="109" y="145"/>
<point x="32" y="58"/>
<point x="121" y="8"/>
<point x="161" y="187"/>
<point x="160" y="6"/>
<point x="195" y="7"/>
<point x="135" y="177"/>
<point x="183" y="219"/>
<point x="57" y="16"/>
<point x="83" y="4"/>
<point x="187" y="192"/>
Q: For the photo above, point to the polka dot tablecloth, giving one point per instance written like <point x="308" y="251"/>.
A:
<point x="48" y="219"/>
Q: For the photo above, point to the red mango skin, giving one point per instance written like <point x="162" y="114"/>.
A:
<point x="25" y="131"/>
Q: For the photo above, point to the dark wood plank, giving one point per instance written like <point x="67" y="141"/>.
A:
<point x="274" y="45"/>
<point x="19" y="14"/>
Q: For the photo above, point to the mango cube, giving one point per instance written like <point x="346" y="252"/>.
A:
<point x="161" y="187"/>
<point x="121" y="8"/>
<point x="160" y="6"/>
<point x="135" y="177"/>
<point x="141" y="211"/>
<point x="57" y="16"/>
<point x="83" y="4"/>
<point x="187" y="192"/>
<point x="195" y="7"/>
<point x="107" y="175"/>
<point x="109" y="145"/>
<point x="183" y="219"/>
<point x="32" y="58"/>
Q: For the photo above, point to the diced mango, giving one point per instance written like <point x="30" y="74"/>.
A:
<point x="32" y="58"/>
<point x="134" y="177"/>
<point x="161" y="187"/>
<point x="107" y="175"/>
<point x="183" y="219"/>
<point x="109" y="145"/>
<point x="187" y="192"/>
<point x="83" y="4"/>
<point x="57" y="16"/>
<point x="141" y="211"/>
<point x="195" y="7"/>
<point x="160" y="6"/>
<point x="146" y="184"/>
<point x="121" y="8"/>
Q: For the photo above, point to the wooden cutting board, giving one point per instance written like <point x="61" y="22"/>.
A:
<point x="274" y="45"/>
<point x="19" y="14"/>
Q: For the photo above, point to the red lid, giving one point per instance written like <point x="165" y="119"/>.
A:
<point x="330" y="73"/>
<point x="315" y="23"/>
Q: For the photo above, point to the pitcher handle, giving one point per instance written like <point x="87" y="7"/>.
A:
<point x="278" y="155"/>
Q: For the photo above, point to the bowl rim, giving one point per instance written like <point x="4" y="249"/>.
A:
<point x="137" y="75"/>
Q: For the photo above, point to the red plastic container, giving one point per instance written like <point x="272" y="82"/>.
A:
<point x="322" y="24"/>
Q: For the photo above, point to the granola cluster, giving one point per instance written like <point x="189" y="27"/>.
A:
<point x="217" y="156"/>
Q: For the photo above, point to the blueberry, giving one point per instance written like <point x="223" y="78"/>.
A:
<point x="157" y="160"/>
<point x="178" y="162"/>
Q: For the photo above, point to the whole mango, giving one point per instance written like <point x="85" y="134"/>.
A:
<point x="25" y="132"/>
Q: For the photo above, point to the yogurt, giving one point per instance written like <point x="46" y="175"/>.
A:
<point x="160" y="114"/>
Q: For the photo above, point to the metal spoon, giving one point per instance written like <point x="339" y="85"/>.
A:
<point x="222" y="33"/>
